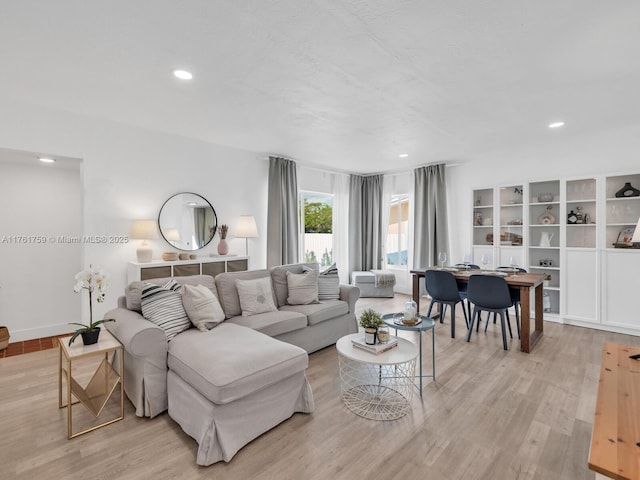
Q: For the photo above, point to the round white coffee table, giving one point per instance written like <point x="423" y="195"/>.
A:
<point x="378" y="387"/>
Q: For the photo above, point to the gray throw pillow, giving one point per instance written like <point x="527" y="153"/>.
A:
<point x="302" y="287"/>
<point x="162" y="305"/>
<point x="202" y="307"/>
<point x="255" y="296"/>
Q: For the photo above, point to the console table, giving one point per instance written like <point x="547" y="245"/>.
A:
<point x="178" y="268"/>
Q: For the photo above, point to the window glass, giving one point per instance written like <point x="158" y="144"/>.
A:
<point x="316" y="217"/>
<point x="397" y="242"/>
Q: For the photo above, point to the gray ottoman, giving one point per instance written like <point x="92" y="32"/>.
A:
<point x="231" y="384"/>
<point x="366" y="282"/>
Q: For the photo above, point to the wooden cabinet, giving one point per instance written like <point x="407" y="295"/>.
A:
<point x="199" y="266"/>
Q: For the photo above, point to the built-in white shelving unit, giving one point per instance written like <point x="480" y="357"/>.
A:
<point x="575" y="231"/>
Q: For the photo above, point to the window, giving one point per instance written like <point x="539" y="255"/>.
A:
<point x="397" y="242"/>
<point x="316" y="218"/>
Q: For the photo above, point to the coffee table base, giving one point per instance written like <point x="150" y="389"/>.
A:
<point x="377" y="392"/>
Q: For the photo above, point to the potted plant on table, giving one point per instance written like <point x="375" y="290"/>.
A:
<point x="370" y="320"/>
<point x="93" y="280"/>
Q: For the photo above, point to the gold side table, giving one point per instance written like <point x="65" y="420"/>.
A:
<point x="100" y="388"/>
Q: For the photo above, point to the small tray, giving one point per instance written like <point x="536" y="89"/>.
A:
<point x="398" y="321"/>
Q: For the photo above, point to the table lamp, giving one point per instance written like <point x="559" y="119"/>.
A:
<point x="144" y="230"/>
<point x="247" y="229"/>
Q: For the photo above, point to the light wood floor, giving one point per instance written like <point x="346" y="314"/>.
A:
<point x="491" y="414"/>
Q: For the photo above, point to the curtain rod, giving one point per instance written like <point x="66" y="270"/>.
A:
<point x="408" y="169"/>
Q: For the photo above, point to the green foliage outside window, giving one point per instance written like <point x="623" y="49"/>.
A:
<point x="317" y="217"/>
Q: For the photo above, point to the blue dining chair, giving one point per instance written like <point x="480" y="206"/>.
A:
<point x="443" y="289"/>
<point x="489" y="293"/>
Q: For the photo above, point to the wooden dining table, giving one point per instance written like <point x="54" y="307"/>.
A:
<point x="524" y="281"/>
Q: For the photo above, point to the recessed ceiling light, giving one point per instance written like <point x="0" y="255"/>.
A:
<point x="183" y="74"/>
<point x="47" y="160"/>
<point x="556" y="124"/>
<point x="403" y="155"/>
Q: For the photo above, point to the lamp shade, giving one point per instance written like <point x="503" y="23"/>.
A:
<point x="247" y="227"/>
<point x="636" y="234"/>
<point x="144" y="230"/>
<point x="172" y="235"/>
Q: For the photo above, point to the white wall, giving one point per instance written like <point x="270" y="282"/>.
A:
<point x="38" y="203"/>
<point x="128" y="173"/>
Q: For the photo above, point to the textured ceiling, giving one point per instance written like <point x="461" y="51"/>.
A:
<point x="345" y="84"/>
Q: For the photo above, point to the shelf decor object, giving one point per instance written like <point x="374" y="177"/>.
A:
<point x="636" y="234"/>
<point x="547" y="218"/>
<point x="627" y="191"/>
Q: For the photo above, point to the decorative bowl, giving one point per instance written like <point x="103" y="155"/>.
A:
<point x="545" y="197"/>
<point x="169" y="256"/>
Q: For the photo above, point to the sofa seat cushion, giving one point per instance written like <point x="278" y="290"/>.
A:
<point x="319" y="312"/>
<point x="231" y="361"/>
<point x="272" y="323"/>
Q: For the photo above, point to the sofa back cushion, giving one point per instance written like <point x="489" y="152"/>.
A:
<point x="228" y="292"/>
<point x="279" y="279"/>
<point x="133" y="291"/>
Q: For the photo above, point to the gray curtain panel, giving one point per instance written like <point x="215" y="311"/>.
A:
<point x="282" y="217"/>
<point x="430" y="218"/>
<point x="365" y="222"/>
<point x="200" y="223"/>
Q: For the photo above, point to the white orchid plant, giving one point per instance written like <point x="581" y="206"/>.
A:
<point x="96" y="282"/>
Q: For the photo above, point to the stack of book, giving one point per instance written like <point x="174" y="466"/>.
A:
<point x="378" y="348"/>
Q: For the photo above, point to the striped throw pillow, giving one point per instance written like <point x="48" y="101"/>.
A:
<point x="329" y="284"/>
<point x="162" y="305"/>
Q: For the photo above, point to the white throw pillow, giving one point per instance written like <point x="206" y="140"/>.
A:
<point x="162" y="305"/>
<point x="202" y="307"/>
<point x="302" y="287"/>
<point x="255" y="296"/>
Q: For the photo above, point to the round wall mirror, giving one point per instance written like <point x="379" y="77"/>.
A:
<point x="187" y="221"/>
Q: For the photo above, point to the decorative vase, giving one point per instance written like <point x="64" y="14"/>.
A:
<point x="89" y="337"/>
<point x="370" y="335"/>
<point x="223" y="248"/>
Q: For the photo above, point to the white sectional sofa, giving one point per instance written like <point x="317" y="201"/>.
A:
<point x="230" y="384"/>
